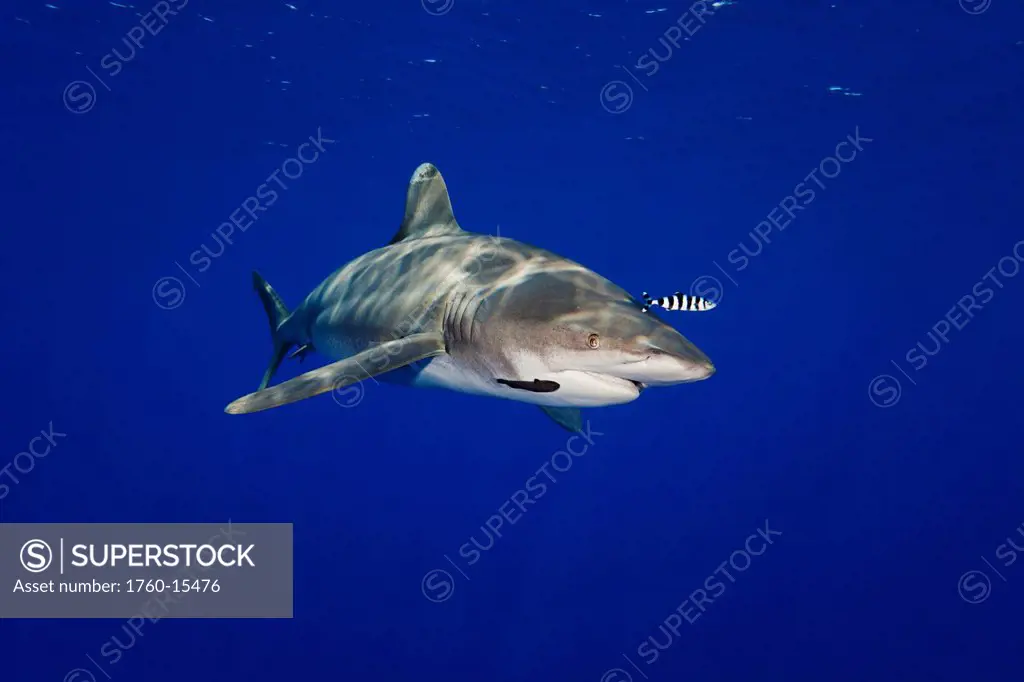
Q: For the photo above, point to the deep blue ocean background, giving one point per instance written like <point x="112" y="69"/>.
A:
<point x="888" y="492"/>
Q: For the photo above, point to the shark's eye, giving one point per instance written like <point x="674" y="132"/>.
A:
<point x="594" y="341"/>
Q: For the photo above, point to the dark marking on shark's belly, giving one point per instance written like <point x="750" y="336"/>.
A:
<point x="535" y="386"/>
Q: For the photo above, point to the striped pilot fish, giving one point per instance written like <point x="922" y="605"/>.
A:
<point x="678" y="301"/>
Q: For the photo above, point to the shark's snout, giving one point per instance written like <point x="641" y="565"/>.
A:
<point x="679" y="365"/>
<point x="669" y="358"/>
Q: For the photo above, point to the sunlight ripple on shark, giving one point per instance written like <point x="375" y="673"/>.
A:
<point x="442" y="307"/>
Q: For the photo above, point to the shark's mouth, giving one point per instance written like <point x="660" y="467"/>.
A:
<point x="623" y="381"/>
<point x="589" y="389"/>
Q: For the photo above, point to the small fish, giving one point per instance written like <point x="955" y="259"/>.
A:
<point x="678" y="301"/>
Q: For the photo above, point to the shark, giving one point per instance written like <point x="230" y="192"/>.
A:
<point x="442" y="307"/>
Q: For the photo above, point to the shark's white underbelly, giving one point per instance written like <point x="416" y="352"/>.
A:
<point x="576" y="389"/>
<point x="446" y="372"/>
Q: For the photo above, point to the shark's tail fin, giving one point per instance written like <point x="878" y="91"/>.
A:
<point x="277" y="313"/>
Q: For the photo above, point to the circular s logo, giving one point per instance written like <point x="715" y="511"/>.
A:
<point x="36" y="556"/>
<point x="438" y="8"/>
<point x="975" y="6"/>
<point x="438" y="586"/>
<point x="616" y="97"/>
<point x="79" y="97"/>
<point x="616" y="675"/>
<point x="709" y="288"/>
<point x="348" y="391"/>
<point x="168" y="293"/>
<point x="884" y="390"/>
<point x="79" y="675"/>
<point x="974" y="587"/>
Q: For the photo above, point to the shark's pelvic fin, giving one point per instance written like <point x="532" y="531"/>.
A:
<point x="387" y="356"/>
<point x="428" y="210"/>
<point x="569" y="418"/>
<point x="277" y="313"/>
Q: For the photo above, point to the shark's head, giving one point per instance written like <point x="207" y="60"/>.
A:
<point x="583" y="333"/>
<point x="620" y="340"/>
<point x="616" y="338"/>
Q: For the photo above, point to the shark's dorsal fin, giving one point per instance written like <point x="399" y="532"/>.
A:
<point x="428" y="210"/>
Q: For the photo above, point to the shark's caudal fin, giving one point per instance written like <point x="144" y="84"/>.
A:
<point x="277" y="313"/>
<point x="428" y="209"/>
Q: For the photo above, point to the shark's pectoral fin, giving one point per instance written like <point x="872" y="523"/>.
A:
<point x="535" y="386"/>
<point x="569" y="418"/>
<point x="377" y="360"/>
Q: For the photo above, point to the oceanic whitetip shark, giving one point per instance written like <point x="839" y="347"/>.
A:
<point x="442" y="307"/>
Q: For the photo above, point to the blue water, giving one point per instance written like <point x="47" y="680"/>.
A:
<point x="881" y="482"/>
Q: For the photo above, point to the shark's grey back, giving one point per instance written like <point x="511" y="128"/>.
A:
<point x="431" y="269"/>
<point x="410" y="286"/>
